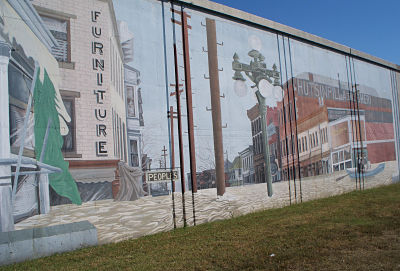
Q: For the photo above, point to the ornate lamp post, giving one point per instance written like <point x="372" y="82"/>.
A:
<point x="257" y="71"/>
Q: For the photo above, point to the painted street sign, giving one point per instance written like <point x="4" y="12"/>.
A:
<point x="161" y="176"/>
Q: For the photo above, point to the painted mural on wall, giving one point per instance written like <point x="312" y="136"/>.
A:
<point x="187" y="119"/>
<point x="33" y="108"/>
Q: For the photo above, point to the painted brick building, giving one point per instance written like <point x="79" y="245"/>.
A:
<point x="329" y="131"/>
<point x="90" y="60"/>
<point x="273" y="141"/>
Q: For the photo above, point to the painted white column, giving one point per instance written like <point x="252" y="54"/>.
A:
<point x="44" y="194"/>
<point x="6" y="216"/>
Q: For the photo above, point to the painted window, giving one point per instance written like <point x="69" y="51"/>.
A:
<point x="131" y="101"/>
<point x="59" y="28"/>
<point x="341" y="159"/>
<point x="69" y="145"/>
<point x="69" y="140"/>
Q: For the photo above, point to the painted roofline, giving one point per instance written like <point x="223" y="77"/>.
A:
<point x="115" y="26"/>
<point x="129" y="67"/>
<point x="238" y="15"/>
<point x="28" y="14"/>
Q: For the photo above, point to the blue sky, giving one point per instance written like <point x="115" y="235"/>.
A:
<point x="370" y="26"/>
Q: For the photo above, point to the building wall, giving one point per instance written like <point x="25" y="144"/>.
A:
<point x="307" y="89"/>
<point x="78" y="75"/>
<point x="381" y="152"/>
<point x="329" y="114"/>
<point x="25" y="57"/>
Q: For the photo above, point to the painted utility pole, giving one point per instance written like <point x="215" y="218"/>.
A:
<point x="6" y="214"/>
<point x="188" y="87"/>
<point x="164" y="150"/>
<point x="215" y="104"/>
<point x="178" y="109"/>
<point x="189" y="103"/>
<point x="172" y="115"/>
<point x="257" y="71"/>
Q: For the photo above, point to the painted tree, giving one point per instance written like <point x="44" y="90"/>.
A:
<point x="45" y="109"/>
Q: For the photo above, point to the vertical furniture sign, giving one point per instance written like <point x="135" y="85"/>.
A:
<point x="98" y="66"/>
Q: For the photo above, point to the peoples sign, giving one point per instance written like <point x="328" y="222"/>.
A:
<point x="161" y="175"/>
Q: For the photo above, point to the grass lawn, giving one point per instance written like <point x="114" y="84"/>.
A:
<point x="355" y="231"/>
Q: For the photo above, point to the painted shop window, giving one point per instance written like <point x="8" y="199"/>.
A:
<point x="120" y="137"/>
<point x="124" y="140"/>
<point x="130" y="92"/>
<point x="305" y="143"/>
<point x="312" y="138"/>
<point x="341" y="159"/>
<point x="134" y="153"/>
<point x="114" y="131"/>
<point x="299" y="145"/>
<point x="140" y="104"/>
<point x="20" y="80"/>
<point x="323" y="136"/>
<point x="69" y="138"/>
<point x="69" y="146"/>
<point x="60" y="30"/>
<point x="120" y="140"/>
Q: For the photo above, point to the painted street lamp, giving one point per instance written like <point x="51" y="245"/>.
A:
<point x="257" y="71"/>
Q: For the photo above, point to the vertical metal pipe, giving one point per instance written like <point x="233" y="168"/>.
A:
<point x="189" y="107"/>
<point x="396" y="107"/>
<point x="290" y="123"/>
<point x="178" y="105"/>
<point x="351" y="109"/>
<point x="172" y="157"/>
<point x="172" y="152"/>
<point x="284" y="118"/>
<point x="357" y="172"/>
<point x="181" y="158"/>
<point x="359" y="127"/>
<point x="215" y="104"/>
<point x="295" y="122"/>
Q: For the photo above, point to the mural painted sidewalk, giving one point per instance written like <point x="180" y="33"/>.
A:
<point x="117" y="221"/>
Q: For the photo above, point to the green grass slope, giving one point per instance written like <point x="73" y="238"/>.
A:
<point x="355" y="231"/>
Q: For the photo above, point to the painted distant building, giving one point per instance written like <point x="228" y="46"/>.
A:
<point x="134" y="113"/>
<point x="236" y="173"/>
<point x="205" y="179"/>
<point x="258" y="146"/>
<point x="247" y="165"/>
<point x="134" y="109"/>
<point x="91" y="67"/>
<point x="330" y="133"/>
